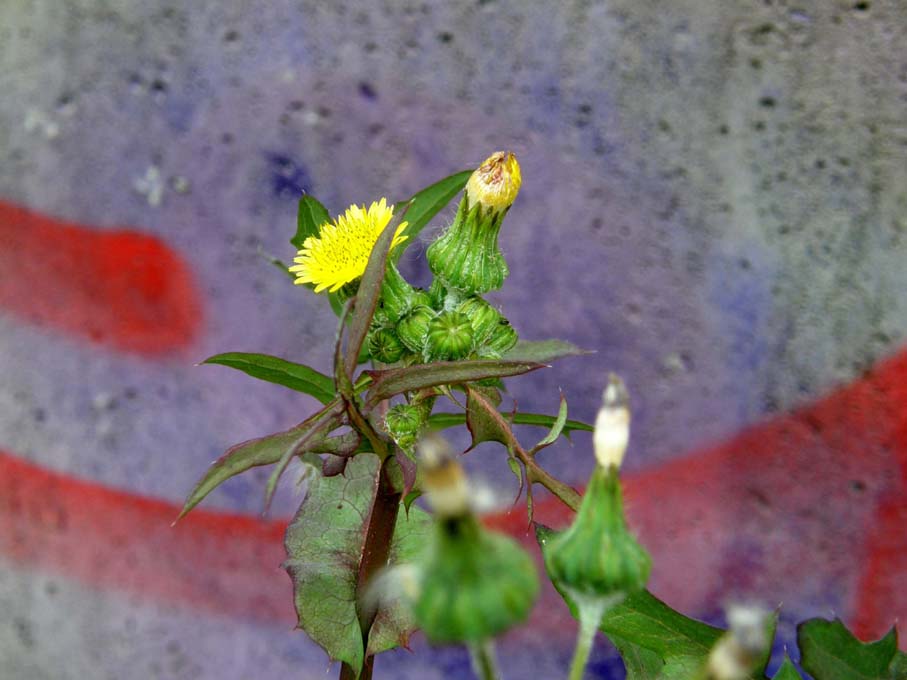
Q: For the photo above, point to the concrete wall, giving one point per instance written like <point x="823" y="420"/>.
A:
<point x="714" y="199"/>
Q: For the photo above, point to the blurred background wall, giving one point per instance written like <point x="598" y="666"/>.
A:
<point x="714" y="199"/>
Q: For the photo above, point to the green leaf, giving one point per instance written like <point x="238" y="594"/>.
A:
<point x="899" y="666"/>
<point x="442" y="421"/>
<point x="543" y="351"/>
<point x="426" y="204"/>
<point x="312" y="214"/>
<point x="556" y="428"/>
<point x="279" y="371"/>
<point x="324" y="544"/>
<point x="787" y="671"/>
<point x="828" y="651"/>
<point x="644" y="620"/>
<point x="368" y="294"/>
<point x="244" y="456"/>
<point x="393" y="381"/>
<point x="309" y="218"/>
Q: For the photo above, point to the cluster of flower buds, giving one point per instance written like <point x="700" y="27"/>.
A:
<point x="451" y="321"/>
<point x="597" y="557"/>
<point x="473" y="583"/>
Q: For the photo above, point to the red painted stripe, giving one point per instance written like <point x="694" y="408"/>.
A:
<point x="783" y="510"/>
<point x="119" y="288"/>
<point x="215" y="562"/>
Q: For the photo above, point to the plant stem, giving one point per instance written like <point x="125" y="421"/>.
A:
<point x="483" y="661"/>
<point x="590" y="616"/>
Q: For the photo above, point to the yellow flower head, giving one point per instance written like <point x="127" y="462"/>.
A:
<point x="496" y="182"/>
<point x="340" y="252"/>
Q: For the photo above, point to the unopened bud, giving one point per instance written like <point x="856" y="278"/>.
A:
<point x="404" y="423"/>
<point x="449" y="337"/>
<point x="496" y="182"/>
<point x="597" y="556"/>
<point x="502" y="339"/>
<point x="413" y="328"/>
<point x="466" y="257"/>
<point x="612" y="425"/>
<point x="385" y="346"/>
<point x="474" y="583"/>
<point x="483" y="317"/>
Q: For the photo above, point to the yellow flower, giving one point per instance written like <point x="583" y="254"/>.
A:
<point x="340" y="252"/>
<point x="496" y="182"/>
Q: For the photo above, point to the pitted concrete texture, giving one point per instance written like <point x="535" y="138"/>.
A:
<point x="714" y="199"/>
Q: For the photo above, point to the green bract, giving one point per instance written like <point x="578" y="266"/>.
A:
<point x="467" y="257"/>
<point x="475" y="584"/>
<point x="598" y="556"/>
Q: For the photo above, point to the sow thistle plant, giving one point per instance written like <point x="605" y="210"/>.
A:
<point x="369" y="566"/>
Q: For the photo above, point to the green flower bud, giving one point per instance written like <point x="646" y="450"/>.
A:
<point x="449" y="337"/>
<point x="385" y="346"/>
<point x="396" y="293"/>
<point x="483" y="317"/>
<point x="598" y="556"/>
<point x="466" y="257"/>
<point x="474" y="583"/>
<point x="502" y="339"/>
<point x="404" y="424"/>
<point x="413" y="327"/>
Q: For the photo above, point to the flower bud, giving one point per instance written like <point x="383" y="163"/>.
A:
<point x="397" y="294"/>
<point x="404" y="424"/>
<point x="483" y="317"/>
<point x="502" y="339"/>
<point x="449" y="337"/>
<point x="466" y="257"/>
<point x="474" y="583"/>
<point x="612" y="425"/>
<point x="413" y="327"/>
<point x="495" y="184"/>
<point x="385" y="346"/>
<point x="598" y="557"/>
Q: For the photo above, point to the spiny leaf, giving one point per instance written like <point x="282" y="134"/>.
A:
<point x="442" y="421"/>
<point x="393" y="381"/>
<point x="482" y="426"/>
<point x="311" y="215"/>
<point x="556" y="428"/>
<point x="828" y="651"/>
<point x="244" y="456"/>
<point x="272" y="369"/>
<point x="426" y="204"/>
<point x="543" y="351"/>
<point x="369" y="293"/>
<point x="324" y="544"/>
